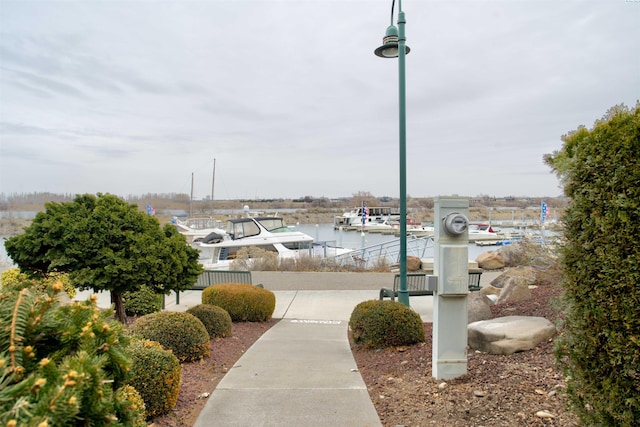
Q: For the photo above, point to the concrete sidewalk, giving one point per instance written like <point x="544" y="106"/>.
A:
<point x="301" y="372"/>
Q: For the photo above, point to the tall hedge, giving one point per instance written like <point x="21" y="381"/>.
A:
<point x="600" y="351"/>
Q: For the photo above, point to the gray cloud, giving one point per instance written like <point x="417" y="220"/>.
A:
<point x="132" y="97"/>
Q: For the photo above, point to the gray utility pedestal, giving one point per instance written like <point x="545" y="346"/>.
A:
<point x="451" y="265"/>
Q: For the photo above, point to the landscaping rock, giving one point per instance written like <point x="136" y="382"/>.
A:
<point x="478" y="306"/>
<point x="491" y="260"/>
<point x="413" y="263"/>
<point x="514" y="284"/>
<point x="490" y="290"/>
<point x="527" y="274"/>
<point x="510" y="334"/>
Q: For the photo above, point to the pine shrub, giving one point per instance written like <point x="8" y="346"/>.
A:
<point x="385" y="323"/>
<point x="155" y="375"/>
<point x="141" y="302"/>
<point x="600" y="348"/>
<point x="61" y="365"/>
<point x="243" y="302"/>
<point x="182" y="333"/>
<point x="215" y="319"/>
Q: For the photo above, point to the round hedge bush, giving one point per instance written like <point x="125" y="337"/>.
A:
<point x="141" y="302"/>
<point x="243" y="302"/>
<point x="215" y="319"/>
<point x="155" y="374"/>
<point x="130" y="400"/>
<point x="182" y="333"/>
<point x="377" y="324"/>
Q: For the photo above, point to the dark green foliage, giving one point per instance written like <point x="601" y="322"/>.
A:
<point x="601" y="260"/>
<point x="386" y="323"/>
<point x="244" y="303"/>
<point x="63" y="365"/>
<point x="182" y="333"/>
<point x="142" y="301"/>
<point x="106" y="244"/>
<point x="215" y="319"/>
<point x="155" y="375"/>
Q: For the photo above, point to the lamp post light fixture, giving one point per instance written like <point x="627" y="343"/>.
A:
<point x="394" y="46"/>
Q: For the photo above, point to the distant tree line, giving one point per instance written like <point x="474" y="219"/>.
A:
<point x="181" y="201"/>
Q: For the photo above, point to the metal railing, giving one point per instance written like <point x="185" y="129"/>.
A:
<point x="389" y="252"/>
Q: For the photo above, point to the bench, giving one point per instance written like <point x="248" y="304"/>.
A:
<point x="215" y="277"/>
<point x="417" y="283"/>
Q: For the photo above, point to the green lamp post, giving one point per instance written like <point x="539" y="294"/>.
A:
<point x="394" y="46"/>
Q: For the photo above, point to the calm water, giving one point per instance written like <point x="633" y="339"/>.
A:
<point x="355" y="239"/>
<point x="322" y="232"/>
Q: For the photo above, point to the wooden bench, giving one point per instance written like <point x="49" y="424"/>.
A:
<point x="417" y="283"/>
<point x="215" y="277"/>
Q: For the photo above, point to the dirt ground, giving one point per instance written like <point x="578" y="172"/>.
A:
<point x="524" y="389"/>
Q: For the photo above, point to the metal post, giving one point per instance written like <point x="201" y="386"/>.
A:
<point x="403" y="293"/>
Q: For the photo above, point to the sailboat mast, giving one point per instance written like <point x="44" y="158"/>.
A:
<point x="213" y="183"/>
<point x="191" y="198"/>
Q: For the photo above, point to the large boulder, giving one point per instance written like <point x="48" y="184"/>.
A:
<point x="510" y="334"/>
<point x="413" y="263"/>
<point x="522" y="273"/>
<point x="516" y="289"/>
<point x="514" y="284"/>
<point x="478" y="307"/>
<point x="512" y="254"/>
<point x="491" y="260"/>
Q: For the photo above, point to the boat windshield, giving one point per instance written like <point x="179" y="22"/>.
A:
<point x="243" y="228"/>
<point x="273" y="224"/>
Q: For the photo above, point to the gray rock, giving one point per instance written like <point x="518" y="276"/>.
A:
<point x="528" y="274"/>
<point x="512" y="254"/>
<point x="478" y="306"/>
<point x="516" y="289"/>
<point x="510" y="334"/>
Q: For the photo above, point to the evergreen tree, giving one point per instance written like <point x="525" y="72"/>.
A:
<point x="600" y="350"/>
<point x="106" y="244"/>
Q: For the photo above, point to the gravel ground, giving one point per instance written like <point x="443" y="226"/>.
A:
<point x="523" y="389"/>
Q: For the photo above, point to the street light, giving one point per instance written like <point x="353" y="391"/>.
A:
<point x="394" y="46"/>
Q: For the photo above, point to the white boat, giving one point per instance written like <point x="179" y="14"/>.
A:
<point x="483" y="232"/>
<point x="218" y="250"/>
<point x="197" y="228"/>
<point x="418" y="230"/>
<point x="379" y="226"/>
<point x="353" y="218"/>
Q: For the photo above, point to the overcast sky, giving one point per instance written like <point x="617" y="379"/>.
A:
<point x="133" y="97"/>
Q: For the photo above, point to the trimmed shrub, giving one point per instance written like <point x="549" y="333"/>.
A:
<point x="215" y="319"/>
<point x="182" y="333"/>
<point x="130" y="402"/>
<point x="600" y="349"/>
<point x="377" y="324"/>
<point x="141" y="302"/>
<point x="244" y="303"/>
<point x="61" y="365"/>
<point x="13" y="277"/>
<point x="155" y="375"/>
